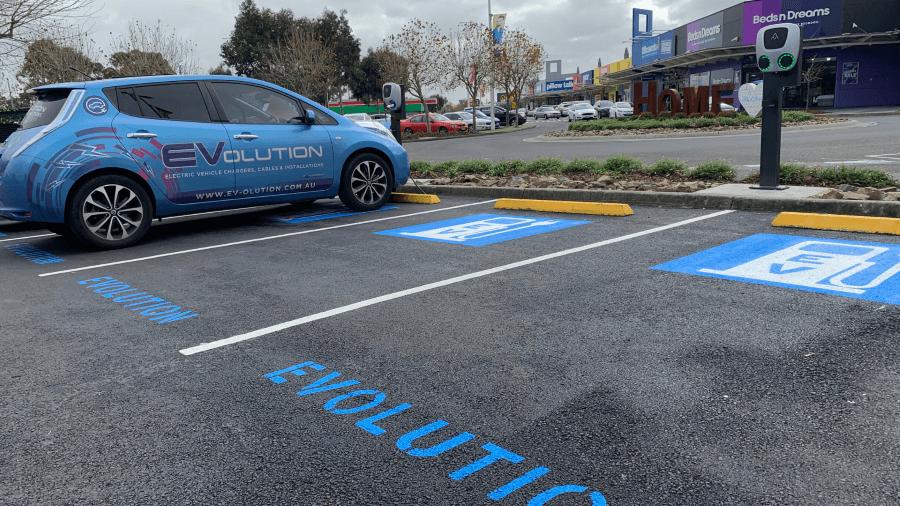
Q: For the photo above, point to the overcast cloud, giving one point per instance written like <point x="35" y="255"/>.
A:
<point x="575" y="31"/>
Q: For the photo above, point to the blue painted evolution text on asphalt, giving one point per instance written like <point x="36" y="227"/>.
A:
<point x="155" y="309"/>
<point x="323" y="214"/>
<point x="482" y="229"/>
<point x="861" y="270"/>
<point x="353" y="401"/>
<point x="34" y="255"/>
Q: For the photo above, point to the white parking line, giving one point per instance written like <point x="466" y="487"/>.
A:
<point x="259" y="239"/>
<point x="26" y="237"/>
<point x="431" y="286"/>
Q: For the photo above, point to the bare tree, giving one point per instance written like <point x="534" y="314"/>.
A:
<point x="517" y="62"/>
<point x="419" y="43"/>
<point x="25" y="21"/>
<point x="467" y="53"/>
<point x="810" y="74"/>
<point x="393" y="67"/>
<point x="150" y="50"/>
<point x="303" y="63"/>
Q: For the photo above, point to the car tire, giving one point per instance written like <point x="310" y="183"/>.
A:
<point x="407" y="130"/>
<point x="366" y="183"/>
<point x="442" y="130"/>
<point x="109" y="212"/>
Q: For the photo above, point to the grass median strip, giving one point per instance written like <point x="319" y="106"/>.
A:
<point x="415" y="198"/>
<point x="565" y="206"/>
<point x="838" y="222"/>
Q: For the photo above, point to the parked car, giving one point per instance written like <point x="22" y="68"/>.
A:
<point x="384" y="119"/>
<point x="565" y="110"/>
<point x="562" y="106"/>
<point x="603" y="107"/>
<point x="824" y="100"/>
<point x="439" y="124"/>
<point x="582" y="111"/>
<point x="98" y="161"/>
<point x="482" y="122"/>
<point x="364" y="120"/>
<point x="546" y="112"/>
<point x="622" y="110"/>
<point x="500" y="113"/>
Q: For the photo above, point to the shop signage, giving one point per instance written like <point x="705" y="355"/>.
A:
<point x="566" y="85"/>
<point x="693" y="100"/>
<point x="653" y="49"/>
<point x="817" y="18"/>
<point x="706" y="33"/>
<point x="850" y="72"/>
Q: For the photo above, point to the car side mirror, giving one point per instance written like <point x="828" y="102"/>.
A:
<point x="310" y="116"/>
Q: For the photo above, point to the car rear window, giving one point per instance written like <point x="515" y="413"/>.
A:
<point x="45" y="108"/>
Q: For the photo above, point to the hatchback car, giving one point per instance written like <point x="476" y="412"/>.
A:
<point x="98" y="161"/>
<point x="546" y="112"/>
<point x="439" y="124"/>
<point x="582" y="110"/>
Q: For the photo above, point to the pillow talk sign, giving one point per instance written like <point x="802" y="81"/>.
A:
<point x="155" y="309"/>
<point x="343" y="400"/>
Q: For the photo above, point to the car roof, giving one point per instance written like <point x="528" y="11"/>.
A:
<point x="133" y="81"/>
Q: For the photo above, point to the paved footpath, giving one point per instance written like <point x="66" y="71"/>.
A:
<point x="452" y="354"/>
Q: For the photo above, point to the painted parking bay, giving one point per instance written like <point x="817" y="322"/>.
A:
<point x="482" y="229"/>
<point x="855" y="269"/>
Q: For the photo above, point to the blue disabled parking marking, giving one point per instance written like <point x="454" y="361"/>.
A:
<point x="318" y="215"/>
<point x="860" y="270"/>
<point x="482" y="229"/>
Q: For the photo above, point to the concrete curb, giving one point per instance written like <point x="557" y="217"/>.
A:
<point x="504" y="130"/>
<point x="670" y="199"/>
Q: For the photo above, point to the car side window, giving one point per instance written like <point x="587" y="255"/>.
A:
<point x="255" y="105"/>
<point x="171" y="101"/>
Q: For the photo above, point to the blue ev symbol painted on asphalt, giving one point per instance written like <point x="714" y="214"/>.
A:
<point x="861" y="270"/>
<point x="482" y="229"/>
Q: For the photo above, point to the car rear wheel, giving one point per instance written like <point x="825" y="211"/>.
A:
<point x="109" y="212"/>
<point x="407" y="130"/>
<point x="442" y="130"/>
<point x="366" y="183"/>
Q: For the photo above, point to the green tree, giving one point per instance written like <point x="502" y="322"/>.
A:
<point x="138" y="63"/>
<point x="334" y="31"/>
<point x="256" y="33"/>
<point x="47" y="61"/>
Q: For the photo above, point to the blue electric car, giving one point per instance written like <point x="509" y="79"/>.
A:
<point x="98" y="161"/>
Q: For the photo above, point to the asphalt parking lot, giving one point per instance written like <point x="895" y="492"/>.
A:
<point x="449" y="354"/>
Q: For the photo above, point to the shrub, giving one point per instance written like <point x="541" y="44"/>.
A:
<point x="679" y="115"/>
<point x="623" y="165"/>
<point x="475" y="167"/>
<point x="855" y="176"/>
<point x="792" y="173"/>
<point x="695" y="115"/>
<point x="545" y="166"/>
<point x="709" y="114"/>
<point x="507" y="168"/>
<point x="727" y="114"/>
<point x="664" y="115"/>
<point x="420" y="166"/>
<point x="717" y="170"/>
<point x="796" y="116"/>
<point x="584" y="166"/>
<point x="449" y="169"/>
<point x="666" y="167"/>
<point x="646" y="115"/>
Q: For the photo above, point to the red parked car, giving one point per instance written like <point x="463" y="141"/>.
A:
<point x="439" y="124"/>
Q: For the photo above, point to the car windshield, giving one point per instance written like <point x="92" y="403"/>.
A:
<point x="464" y="115"/>
<point x="45" y="109"/>
<point x="624" y="105"/>
<point x="605" y="103"/>
<point x="439" y="117"/>
<point x="579" y="107"/>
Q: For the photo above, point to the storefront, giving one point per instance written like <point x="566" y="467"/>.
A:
<point x="851" y="55"/>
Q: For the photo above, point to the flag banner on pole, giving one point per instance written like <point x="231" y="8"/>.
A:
<point x="498" y="24"/>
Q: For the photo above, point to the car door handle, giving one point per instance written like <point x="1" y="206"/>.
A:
<point x="141" y="135"/>
<point x="246" y="137"/>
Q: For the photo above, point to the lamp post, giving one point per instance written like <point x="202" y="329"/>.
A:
<point x="490" y="67"/>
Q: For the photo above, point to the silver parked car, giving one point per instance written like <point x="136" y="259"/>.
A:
<point x="582" y="110"/>
<point x="546" y="112"/>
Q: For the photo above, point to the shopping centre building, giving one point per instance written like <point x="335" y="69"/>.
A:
<point x="851" y="54"/>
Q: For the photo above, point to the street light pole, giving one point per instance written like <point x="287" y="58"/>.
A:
<point x="490" y="67"/>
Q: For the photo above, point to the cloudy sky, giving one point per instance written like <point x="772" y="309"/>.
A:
<point x="575" y="31"/>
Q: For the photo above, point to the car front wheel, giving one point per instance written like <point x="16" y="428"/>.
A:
<point x="366" y="183"/>
<point x="109" y="212"/>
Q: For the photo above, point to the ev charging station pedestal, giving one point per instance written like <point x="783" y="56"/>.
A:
<point x="779" y="55"/>
<point x="394" y="97"/>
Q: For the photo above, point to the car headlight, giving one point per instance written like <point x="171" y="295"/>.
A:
<point x="380" y="131"/>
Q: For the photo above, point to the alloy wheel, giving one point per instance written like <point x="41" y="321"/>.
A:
<point x="112" y="212"/>
<point x="368" y="182"/>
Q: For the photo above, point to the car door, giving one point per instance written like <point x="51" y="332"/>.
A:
<point x="275" y="151"/>
<point x="168" y="129"/>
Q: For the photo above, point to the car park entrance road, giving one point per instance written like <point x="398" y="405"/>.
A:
<point x="869" y="142"/>
<point x="591" y="364"/>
